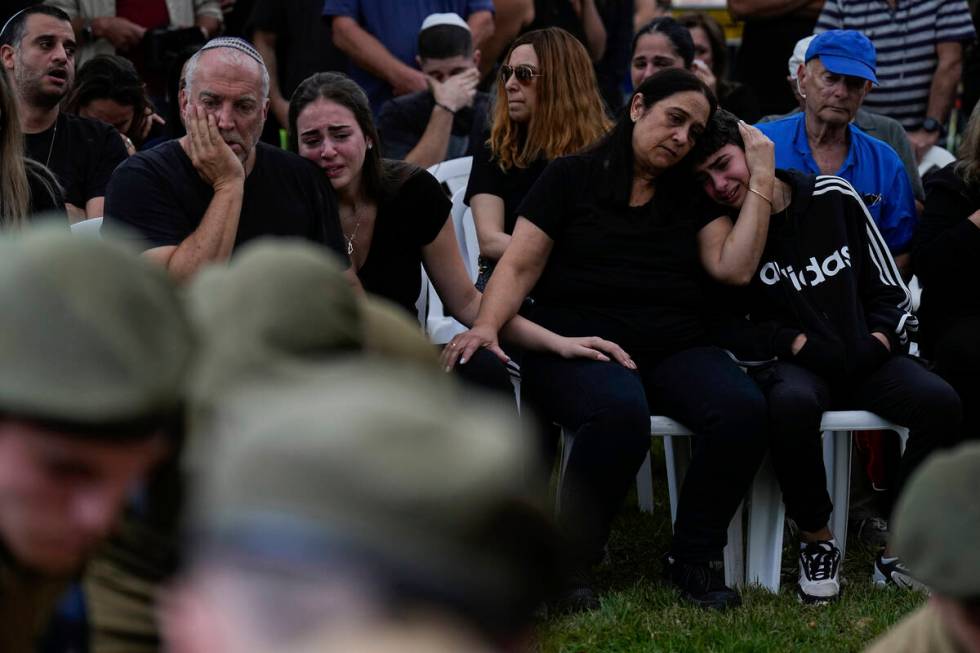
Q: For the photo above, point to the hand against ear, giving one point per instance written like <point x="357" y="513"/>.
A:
<point x="760" y="156"/>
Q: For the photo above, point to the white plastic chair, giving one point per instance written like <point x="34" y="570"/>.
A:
<point x="455" y="173"/>
<point x="766" y="510"/>
<point x="935" y="157"/>
<point x="90" y="227"/>
<point x="440" y="327"/>
<point x="762" y="557"/>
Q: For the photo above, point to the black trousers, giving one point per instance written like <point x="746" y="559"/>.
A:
<point x="956" y="354"/>
<point x="902" y="391"/>
<point x="608" y="409"/>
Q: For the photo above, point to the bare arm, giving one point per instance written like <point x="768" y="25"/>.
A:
<point x="265" y="43"/>
<point x="764" y="8"/>
<point x="488" y="216"/>
<point x="730" y="253"/>
<point x="482" y="27"/>
<point x="370" y="54"/>
<point x="214" y="238"/>
<point x="510" y="17"/>
<point x="208" y="24"/>
<point x="595" y="31"/>
<point x="511" y="281"/>
<point x="450" y="96"/>
<point x="942" y="94"/>
<point x="445" y="268"/>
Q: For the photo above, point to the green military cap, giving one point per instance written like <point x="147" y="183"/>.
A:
<point x="385" y="462"/>
<point x="283" y="303"/>
<point x="91" y="334"/>
<point x="390" y="333"/>
<point x="278" y="301"/>
<point x="936" y="523"/>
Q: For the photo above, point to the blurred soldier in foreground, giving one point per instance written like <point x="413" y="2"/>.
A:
<point x="95" y="344"/>
<point x="280" y="308"/>
<point x="936" y="528"/>
<point x="362" y="509"/>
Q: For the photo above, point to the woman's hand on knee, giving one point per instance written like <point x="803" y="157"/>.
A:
<point x="462" y="347"/>
<point x="595" y="348"/>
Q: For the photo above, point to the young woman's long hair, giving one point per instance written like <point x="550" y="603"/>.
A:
<point x="968" y="164"/>
<point x="569" y="114"/>
<point x="381" y="178"/>
<point x="15" y="194"/>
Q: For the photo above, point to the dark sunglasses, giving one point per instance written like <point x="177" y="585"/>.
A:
<point x="524" y="73"/>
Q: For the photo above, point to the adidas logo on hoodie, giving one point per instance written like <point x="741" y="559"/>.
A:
<point x="811" y="275"/>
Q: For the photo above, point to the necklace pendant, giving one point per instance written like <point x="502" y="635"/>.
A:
<point x="350" y="246"/>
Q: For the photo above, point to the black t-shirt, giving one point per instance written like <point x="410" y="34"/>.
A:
<point x="629" y="274"/>
<point x="160" y="195"/>
<point x="404" y="224"/>
<point x="403" y="120"/>
<point x="304" y="44"/>
<point x="83" y="154"/>
<point x="511" y="186"/>
<point x="44" y="197"/>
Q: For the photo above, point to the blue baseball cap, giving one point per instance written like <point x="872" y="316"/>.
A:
<point x="845" y="52"/>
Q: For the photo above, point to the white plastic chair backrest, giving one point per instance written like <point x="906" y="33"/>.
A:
<point x="469" y="246"/>
<point x="454" y="172"/>
<point x="440" y="327"/>
<point x="90" y="227"/>
<point x="936" y="157"/>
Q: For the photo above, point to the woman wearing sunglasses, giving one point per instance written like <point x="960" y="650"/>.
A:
<point x="606" y="246"/>
<point x="547" y="105"/>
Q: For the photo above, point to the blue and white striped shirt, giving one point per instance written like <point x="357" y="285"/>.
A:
<point x="905" y="39"/>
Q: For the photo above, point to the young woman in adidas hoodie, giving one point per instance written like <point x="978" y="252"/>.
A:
<point x="829" y="312"/>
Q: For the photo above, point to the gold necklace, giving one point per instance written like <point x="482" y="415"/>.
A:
<point x="47" y="162"/>
<point x="351" y="236"/>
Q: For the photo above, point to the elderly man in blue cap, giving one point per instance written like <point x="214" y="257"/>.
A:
<point x="838" y="72"/>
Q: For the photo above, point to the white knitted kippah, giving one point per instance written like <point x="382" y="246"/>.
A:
<point x="234" y="43"/>
<point x="433" y="20"/>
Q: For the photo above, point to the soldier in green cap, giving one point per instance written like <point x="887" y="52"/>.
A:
<point x="95" y="347"/>
<point x="936" y="526"/>
<point x="281" y="307"/>
<point x="370" y="507"/>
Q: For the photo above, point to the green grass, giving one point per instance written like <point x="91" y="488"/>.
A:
<point x="640" y="613"/>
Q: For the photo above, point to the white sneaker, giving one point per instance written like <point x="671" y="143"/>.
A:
<point x="819" y="566"/>
<point x="891" y="572"/>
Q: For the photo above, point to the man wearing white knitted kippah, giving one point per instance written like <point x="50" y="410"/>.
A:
<point x="193" y="200"/>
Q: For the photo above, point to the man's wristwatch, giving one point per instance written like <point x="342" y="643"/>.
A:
<point x="933" y="126"/>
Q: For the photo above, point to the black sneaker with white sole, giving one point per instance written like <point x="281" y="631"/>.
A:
<point x="890" y="572"/>
<point x="703" y="584"/>
<point x="819" y="569"/>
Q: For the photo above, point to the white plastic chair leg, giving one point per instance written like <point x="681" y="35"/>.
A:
<point x="677" y="455"/>
<point x="734" y="553"/>
<point x="837" y="461"/>
<point x="765" y="537"/>
<point x="644" y="486"/>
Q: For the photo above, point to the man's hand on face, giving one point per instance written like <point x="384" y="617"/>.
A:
<point x="457" y="91"/>
<point x="123" y="34"/>
<point x="213" y="159"/>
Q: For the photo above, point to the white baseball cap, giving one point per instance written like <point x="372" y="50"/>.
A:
<point x="799" y="55"/>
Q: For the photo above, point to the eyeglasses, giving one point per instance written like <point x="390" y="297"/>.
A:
<point x="524" y="73"/>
